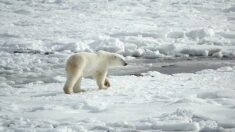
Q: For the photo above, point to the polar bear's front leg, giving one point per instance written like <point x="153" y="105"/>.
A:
<point x="100" y="80"/>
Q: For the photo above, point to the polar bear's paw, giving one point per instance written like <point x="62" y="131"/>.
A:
<point x="67" y="90"/>
<point x="78" y="90"/>
<point x="106" y="83"/>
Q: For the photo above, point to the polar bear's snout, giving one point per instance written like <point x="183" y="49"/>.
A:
<point x="124" y="63"/>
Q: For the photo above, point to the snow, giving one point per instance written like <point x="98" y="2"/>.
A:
<point x="132" y="28"/>
<point x="36" y="38"/>
<point x="180" y="102"/>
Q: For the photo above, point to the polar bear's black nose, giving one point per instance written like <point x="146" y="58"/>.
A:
<point x="125" y="64"/>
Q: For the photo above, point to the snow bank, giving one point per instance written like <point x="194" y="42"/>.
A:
<point x="150" y="29"/>
<point x="108" y="44"/>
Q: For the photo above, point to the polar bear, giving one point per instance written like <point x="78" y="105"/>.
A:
<point x="96" y="65"/>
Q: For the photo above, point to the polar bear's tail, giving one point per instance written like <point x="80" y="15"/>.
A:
<point x="73" y="74"/>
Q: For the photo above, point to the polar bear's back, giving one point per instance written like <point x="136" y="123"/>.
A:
<point x="85" y="54"/>
<point x="82" y="56"/>
<point x="85" y="61"/>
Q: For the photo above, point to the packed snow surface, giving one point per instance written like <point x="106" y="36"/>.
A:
<point x="201" y="101"/>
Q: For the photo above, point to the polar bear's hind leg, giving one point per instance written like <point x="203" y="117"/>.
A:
<point x="73" y="74"/>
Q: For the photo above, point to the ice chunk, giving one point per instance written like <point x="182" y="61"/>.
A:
<point x="199" y="33"/>
<point x="177" y="127"/>
<point x="230" y="9"/>
<point x="175" y="34"/>
<point x="108" y="44"/>
<point x="152" y="54"/>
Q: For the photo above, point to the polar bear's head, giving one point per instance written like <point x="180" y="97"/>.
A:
<point x="117" y="60"/>
<point x="114" y="59"/>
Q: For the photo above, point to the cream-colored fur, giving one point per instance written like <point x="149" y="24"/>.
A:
<point x="94" y="65"/>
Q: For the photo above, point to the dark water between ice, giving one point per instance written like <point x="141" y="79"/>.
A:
<point x="172" y="66"/>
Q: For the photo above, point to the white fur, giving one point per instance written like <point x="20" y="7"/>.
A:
<point x="94" y="65"/>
